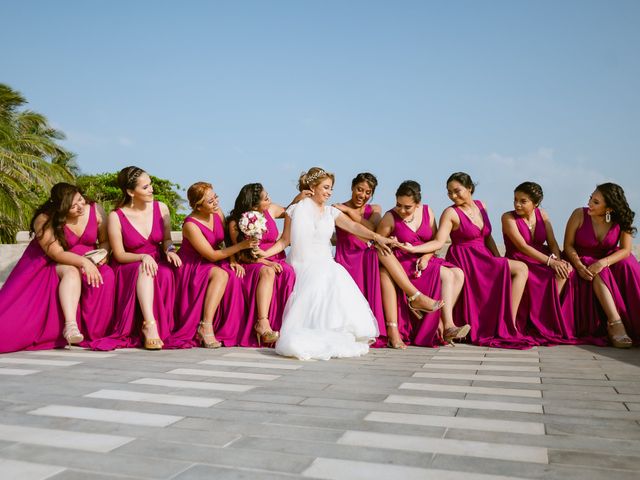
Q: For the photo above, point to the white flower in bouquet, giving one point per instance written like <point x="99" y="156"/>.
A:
<point x="253" y="224"/>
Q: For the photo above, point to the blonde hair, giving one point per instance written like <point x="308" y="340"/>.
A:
<point x="313" y="177"/>
<point x="196" y="194"/>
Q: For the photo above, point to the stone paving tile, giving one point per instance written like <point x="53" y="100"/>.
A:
<point x="208" y="472"/>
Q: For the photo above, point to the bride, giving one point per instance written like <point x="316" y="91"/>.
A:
<point x="326" y="315"/>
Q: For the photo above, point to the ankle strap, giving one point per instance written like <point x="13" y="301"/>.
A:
<point x="414" y="296"/>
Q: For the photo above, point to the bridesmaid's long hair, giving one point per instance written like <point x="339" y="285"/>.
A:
<point x="56" y="209"/>
<point x="367" y="177"/>
<point x="248" y="199"/>
<point x="532" y="190"/>
<point x="127" y="180"/>
<point x="621" y="213"/>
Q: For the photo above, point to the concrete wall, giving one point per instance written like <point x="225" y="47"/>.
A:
<point x="11" y="253"/>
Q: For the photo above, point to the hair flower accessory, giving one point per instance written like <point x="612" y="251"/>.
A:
<point x="253" y="224"/>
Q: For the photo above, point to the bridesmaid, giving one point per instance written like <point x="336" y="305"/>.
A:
<point x="413" y="224"/>
<point x="268" y="281"/>
<point x="140" y="236"/>
<point x="211" y="297"/>
<point x="606" y="289"/>
<point x="528" y="237"/>
<point x="55" y="295"/>
<point x="355" y="254"/>
<point x="493" y="285"/>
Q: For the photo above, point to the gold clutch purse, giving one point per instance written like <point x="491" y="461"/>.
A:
<point x="96" y="256"/>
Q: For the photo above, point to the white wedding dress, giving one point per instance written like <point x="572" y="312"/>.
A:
<point x="326" y="315"/>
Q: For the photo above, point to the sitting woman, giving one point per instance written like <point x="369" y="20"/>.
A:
<point x="267" y="281"/>
<point x="143" y="256"/>
<point x="529" y="238"/>
<point x="606" y="289"/>
<point x="493" y="285"/>
<point x="211" y="298"/>
<point x="413" y="224"/>
<point x="39" y="301"/>
<point x="355" y="254"/>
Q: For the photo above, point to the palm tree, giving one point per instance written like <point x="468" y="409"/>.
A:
<point x="30" y="162"/>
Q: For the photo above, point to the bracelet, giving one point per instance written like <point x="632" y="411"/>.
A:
<point x="170" y="248"/>
<point x="551" y="257"/>
<point x="607" y="262"/>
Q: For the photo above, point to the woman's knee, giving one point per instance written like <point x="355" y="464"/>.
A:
<point x="218" y="275"/>
<point x="68" y="272"/>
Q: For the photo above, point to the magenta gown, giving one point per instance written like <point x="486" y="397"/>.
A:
<point x="622" y="279"/>
<point x="485" y="302"/>
<point x="414" y="331"/>
<point x="192" y="280"/>
<point x="541" y="315"/>
<point x="361" y="261"/>
<point x="128" y="317"/>
<point x="30" y="313"/>
<point x="282" y="287"/>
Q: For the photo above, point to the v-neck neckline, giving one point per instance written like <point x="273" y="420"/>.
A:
<point x="480" y="229"/>
<point x="153" y="219"/>
<point x="84" y="230"/>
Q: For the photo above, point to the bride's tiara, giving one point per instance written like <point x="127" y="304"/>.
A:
<point x="315" y="176"/>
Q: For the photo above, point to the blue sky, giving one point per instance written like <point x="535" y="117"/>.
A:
<point x="240" y="91"/>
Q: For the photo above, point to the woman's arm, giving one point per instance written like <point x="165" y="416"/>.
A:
<point x="448" y="220"/>
<point x="282" y="243"/>
<point x="167" y="244"/>
<point x="551" y="237"/>
<point x="53" y="249"/>
<point x="623" y="252"/>
<point x="575" y="222"/>
<point x="510" y="229"/>
<point x="345" y="223"/>
<point x="196" y="238"/>
<point x="103" y="236"/>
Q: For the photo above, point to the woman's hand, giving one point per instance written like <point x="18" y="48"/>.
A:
<point x="585" y="273"/>
<point x="407" y="247"/>
<point x="342" y="207"/>
<point x="561" y="268"/>
<point x="249" y="242"/>
<point x="94" y="278"/>
<point x="149" y="265"/>
<point x="597" y="267"/>
<point x="238" y="269"/>
<point x="423" y="261"/>
<point x="275" y="265"/>
<point x="174" y="259"/>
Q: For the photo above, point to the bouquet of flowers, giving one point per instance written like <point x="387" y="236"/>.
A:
<point x="253" y="224"/>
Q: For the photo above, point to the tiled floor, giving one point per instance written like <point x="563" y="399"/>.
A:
<point x="451" y="414"/>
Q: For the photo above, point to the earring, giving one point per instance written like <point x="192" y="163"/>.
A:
<point x="607" y="217"/>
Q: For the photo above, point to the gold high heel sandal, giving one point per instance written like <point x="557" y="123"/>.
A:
<point x="72" y="334"/>
<point x="268" y="337"/>
<point x="618" y="340"/>
<point x="419" y="312"/>
<point x="395" y="345"/>
<point x="151" y="343"/>
<point x="455" y="333"/>
<point x="203" y="336"/>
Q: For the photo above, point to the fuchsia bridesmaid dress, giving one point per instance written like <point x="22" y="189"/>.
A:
<point x="192" y="280"/>
<point x="485" y="301"/>
<point x="361" y="261"/>
<point x="541" y="315"/>
<point x="413" y="330"/>
<point x="282" y="286"/>
<point x="128" y="317"/>
<point x="30" y="313"/>
<point x="622" y="279"/>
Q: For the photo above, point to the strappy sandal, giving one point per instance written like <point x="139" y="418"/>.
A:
<point x="618" y="340"/>
<point x="151" y="343"/>
<point x="72" y="334"/>
<point x="395" y="345"/>
<point x="268" y="337"/>
<point x="204" y="336"/>
<point x="455" y="333"/>
<point x="419" y="312"/>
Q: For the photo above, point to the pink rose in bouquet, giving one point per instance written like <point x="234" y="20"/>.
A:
<point x="253" y="224"/>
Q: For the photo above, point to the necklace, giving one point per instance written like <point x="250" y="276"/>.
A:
<point x="471" y="216"/>
<point x="531" y="225"/>
<point x="409" y="220"/>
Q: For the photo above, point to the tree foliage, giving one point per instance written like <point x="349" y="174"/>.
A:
<point x="104" y="189"/>
<point x="31" y="161"/>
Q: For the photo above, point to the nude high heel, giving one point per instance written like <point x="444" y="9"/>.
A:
<point x="268" y="337"/>
<point x="395" y="345"/>
<point x="455" y="333"/>
<point x="72" y="334"/>
<point x="419" y="312"/>
<point x="203" y="336"/>
<point x="618" y="340"/>
<point x="151" y="343"/>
